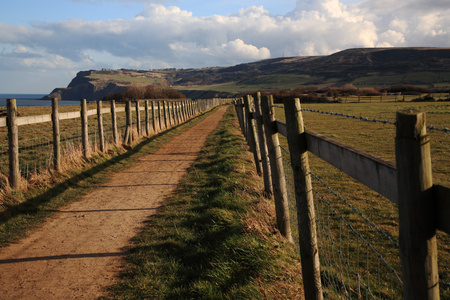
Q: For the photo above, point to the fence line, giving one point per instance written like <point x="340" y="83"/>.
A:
<point x="51" y="137"/>
<point x="409" y="181"/>
<point x="361" y="118"/>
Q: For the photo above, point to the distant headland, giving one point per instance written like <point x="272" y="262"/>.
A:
<point x="362" y="67"/>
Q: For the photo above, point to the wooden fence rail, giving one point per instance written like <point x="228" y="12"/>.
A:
<point x="423" y="207"/>
<point x="165" y="114"/>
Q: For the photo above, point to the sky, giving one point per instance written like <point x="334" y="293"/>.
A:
<point x="43" y="44"/>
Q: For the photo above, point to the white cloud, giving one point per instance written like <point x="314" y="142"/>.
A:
<point x="167" y="36"/>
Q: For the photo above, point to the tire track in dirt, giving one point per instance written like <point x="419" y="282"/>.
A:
<point x="78" y="253"/>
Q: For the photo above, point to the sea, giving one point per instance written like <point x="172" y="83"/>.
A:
<point x="33" y="100"/>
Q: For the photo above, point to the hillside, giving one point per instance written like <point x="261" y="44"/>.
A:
<point x="369" y="67"/>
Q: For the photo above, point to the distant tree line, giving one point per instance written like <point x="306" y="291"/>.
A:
<point x="323" y="94"/>
<point x="145" y="92"/>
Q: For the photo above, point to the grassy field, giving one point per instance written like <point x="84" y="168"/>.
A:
<point x="377" y="139"/>
<point x="127" y="79"/>
<point x="425" y="79"/>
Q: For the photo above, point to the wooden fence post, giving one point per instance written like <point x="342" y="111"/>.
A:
<point x="165" y="115"/>
<point x="114" y="122"/>
<point x="252" y="141"/>
<point x="172" y="113"/>
<point x="263" y="148"/>
<point x="182" y="111"/>
<point x="159" y="116"/>
<point x="138" y="119"/>
<point x="309" y="251"/>
<point x="418" y="248"/>
<point x="128" y="139"/>
<point x="277" y="170"/>
<point x="178" y="104"/>
<point x="56" y="136"/>
<point x="101" y="135"/>
<point x="155" y="130"/>
<point x="147" y="119"/>
<point x="85" y="129"/>
<point x="13" y="142"/>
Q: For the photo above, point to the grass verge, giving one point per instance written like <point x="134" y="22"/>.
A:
<point x="215" y="238"/>
<point x="22" y="211"/>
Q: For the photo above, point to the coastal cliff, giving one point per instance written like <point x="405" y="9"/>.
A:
<point x="82" y="86"/>
<point x="364" y="67"/>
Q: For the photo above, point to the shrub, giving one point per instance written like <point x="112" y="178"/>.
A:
<point x="427" y="98"/>
<point x="146" y="92"/>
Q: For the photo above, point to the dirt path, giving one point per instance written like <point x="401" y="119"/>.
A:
<point x="79" y="252"/>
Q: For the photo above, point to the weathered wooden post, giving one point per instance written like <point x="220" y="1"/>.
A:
<point x="128" y="139"/>
<point x="172" y="113"/>
<point x="56" y="136"/>
<point x="263" y="148"/>
<point x="114" y="122"/>
<point x="252" y="140"/>
<point x="166" y="123"/>
<point x="182" y="107"/>
<point x="101" y="134"/>
<point x="178" y="112"/>
<point x="13" y="143"/>
<point x="309" y="252"/>
<point x="417" y="227"/>
<point x="147" y="119"/>
<point x="159" y="116"/>
<point x="138" y="119"/>
<point x="277" y="170"/>
<point x="155" y="130"/>
<point x="85" y="129"/>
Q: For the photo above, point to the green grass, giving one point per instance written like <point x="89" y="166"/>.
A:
<point x="214" y="238"/>
<point x="425" y="79"/>
<point x="377" y="139"/>
<point x="126" y="79"/>
<point x="281" y="81"/>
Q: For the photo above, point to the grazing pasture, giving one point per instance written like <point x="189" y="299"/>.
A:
<point x="357" y="228"/>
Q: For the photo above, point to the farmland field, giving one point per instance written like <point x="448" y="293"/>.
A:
<point x="379" y="139"/>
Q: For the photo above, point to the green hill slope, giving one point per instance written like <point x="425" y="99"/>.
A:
<point x="426" y="67"/>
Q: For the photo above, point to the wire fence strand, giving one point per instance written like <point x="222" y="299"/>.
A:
<point x="351" y="266"/>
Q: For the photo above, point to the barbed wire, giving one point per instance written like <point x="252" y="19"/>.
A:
<point x="366" y="119"/>
<point x="349" y="116"/>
